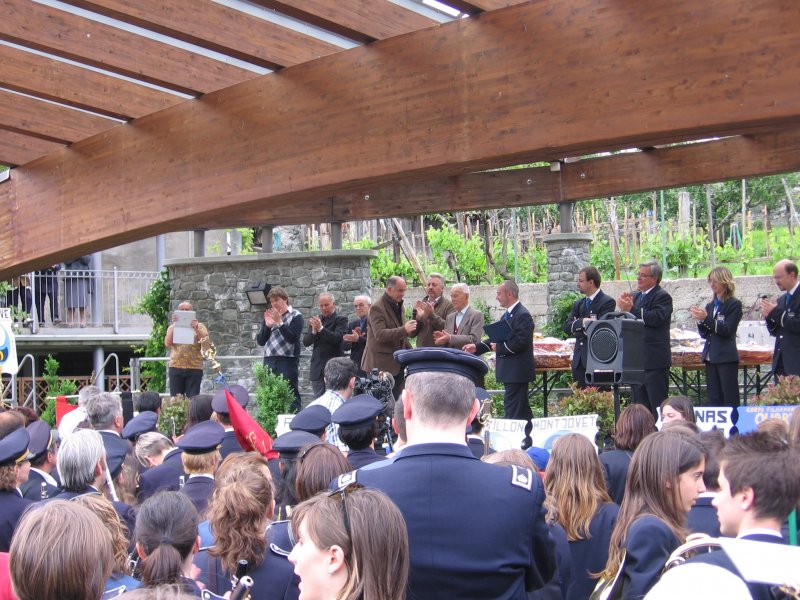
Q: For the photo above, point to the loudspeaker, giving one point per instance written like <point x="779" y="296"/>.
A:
<point x="616" y="351"/>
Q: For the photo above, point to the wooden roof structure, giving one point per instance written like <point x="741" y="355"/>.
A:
<point x="124" y="119"/>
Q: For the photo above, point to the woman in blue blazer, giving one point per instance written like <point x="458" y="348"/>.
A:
<point x="717" y="324"/>
<point x="664" y="481"/>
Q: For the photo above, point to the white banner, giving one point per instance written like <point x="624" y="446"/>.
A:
<point x="8" y="346"/>
<point x="710" y="417"/>
<point x="282" y="426"/>
<point x="506" y="434"/>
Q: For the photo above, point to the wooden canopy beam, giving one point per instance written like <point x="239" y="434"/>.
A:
<point x="214" y="26"/>
<point x="18" y="149"/>
<point x="355" y="19"/>
<point x="515" y="85"/>
<point x="63" y="34"/>
<point x="625" y="173"/>
<point x="82" y="88"/>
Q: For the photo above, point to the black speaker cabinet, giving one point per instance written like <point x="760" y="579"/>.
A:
<point x="616" y="352"/>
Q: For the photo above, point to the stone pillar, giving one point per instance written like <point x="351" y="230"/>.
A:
<point x="199" y="238"/>
<point x="336" y="236"/>
<point x="566" y="210"/>
<point x="267" y="240"/>
<point x="567" y="253"/>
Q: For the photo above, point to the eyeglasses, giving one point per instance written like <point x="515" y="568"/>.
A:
<point x="342" y="494"/>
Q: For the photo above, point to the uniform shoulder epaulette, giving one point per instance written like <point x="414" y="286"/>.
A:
<point x="114" y="592"/>
<point x="521" y="477"/>
<point x="280" y="537"/>
<point x="346" y="479"/>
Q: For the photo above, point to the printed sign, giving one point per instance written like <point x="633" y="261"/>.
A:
<point x="282" y="426"/>
<point x="8" y="346"/>
<point x="711" y="417"/>
<point x="506" y="434"/>
<point x="751" y="416"/>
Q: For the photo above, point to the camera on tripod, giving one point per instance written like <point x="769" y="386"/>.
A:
<point x="379" y="386"/>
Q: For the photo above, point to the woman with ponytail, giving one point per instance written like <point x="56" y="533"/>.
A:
<point x="167" y="540"/>
<point x="240" y="518"/>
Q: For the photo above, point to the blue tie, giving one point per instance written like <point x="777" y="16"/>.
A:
<point x="586" y="303"/>
<point x="506" y="316"/>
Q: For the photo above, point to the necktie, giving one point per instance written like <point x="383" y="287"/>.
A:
<point x="457" y="322"/>
<point x="506" y="316"/>
<point x="586" y="303"/>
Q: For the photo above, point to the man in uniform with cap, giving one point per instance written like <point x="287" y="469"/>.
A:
<point x="41" y="483"/>
<point x="142" y="423"/>
<point x="201" y="457"/>
<point x="312" y="419"/>
<point x="443" y="491"/>
<point x="221" y="415"/>
<point x="14" y="467"/>
<point x="358" y="426"/>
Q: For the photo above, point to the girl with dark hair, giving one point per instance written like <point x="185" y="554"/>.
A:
<point x="316" y="467"/>
<point x="167" y="540"/>
<point x="634" y="424"/>
<point x="664" y="481"/>
<point x="677" y="408"/>
<point x="577" y="499"/>
<point x="240" y="514"/>
<point x="352" y="544"/>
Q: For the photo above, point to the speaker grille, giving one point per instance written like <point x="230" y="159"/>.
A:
<point x="603" y="345"/>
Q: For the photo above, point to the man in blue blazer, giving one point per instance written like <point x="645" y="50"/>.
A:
<point x="783" y="320"/>
<point x="653" y="305"/>
<point x="515" y="365"/>
<point x="593" y="305"/>
<point x="759" y="482"/>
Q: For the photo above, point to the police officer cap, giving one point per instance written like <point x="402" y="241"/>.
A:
<point x="41" y="437"/>
<point x="141" y="423"/>
<point x="292" y="441"/>
<point x="359" y="410"/>
<point x="220" y="404"/>
<point x="202" y="438"/>
<point x="14" y="447"/>
<point x="312" y="419"/>
<point x="448" y="360"/>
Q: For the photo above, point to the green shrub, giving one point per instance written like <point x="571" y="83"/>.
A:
<point x="173" y="416"/>
<point x="783" y="393"/>
<point x="274" y="397"/>
<point x="55" y="387"/>
<point x="155" y="304"/>
<point x="591" y="401"/>
<point x="558" y="315"/>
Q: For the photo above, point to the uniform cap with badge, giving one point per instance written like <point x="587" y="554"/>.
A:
<point x="14" y="448"/>
<point x="142" y="423"/>
<point x="313" y="419"/>
<point x="291" y="442"/>
<point x="219" y="403"/>
<point x="202" y="438"/>
<point x="358" y="410"/>
<point x="445" y="360"/>
<point x="41" y="438"/>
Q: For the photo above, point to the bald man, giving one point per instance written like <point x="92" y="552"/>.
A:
<point x="783" y="319"/>
<point x="186" y="360"/>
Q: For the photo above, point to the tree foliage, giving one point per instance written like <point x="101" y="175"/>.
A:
<point x="155" y="304"/>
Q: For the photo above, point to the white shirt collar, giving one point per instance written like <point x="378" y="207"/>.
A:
<point x="593" y="296"/>
<point x="511" y="308"/>
<point x="46" y="476"/>
<point x="794" y="289"/>
<point x="647" y="291"/>
<point x="760" y="531"/>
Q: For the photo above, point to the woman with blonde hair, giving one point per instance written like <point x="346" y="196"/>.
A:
<point x="120" y="580"/>
<point x="240" y="516"/>
<point x="717" y="324"/>
<point x="664" y="481"/>
<point x="578" y="500"/>
<point x="352" y="544"/>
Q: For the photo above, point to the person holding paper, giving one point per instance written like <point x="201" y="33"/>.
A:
<point x="186" y="353"/>
<point x="515" y="364"/>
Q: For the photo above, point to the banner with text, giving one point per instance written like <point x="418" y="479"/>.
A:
<point x="506" y="434"/>
<point x="751" y="416"/>
<point x="711" y="417"/>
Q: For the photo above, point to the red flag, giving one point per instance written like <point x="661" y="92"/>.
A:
<point x="248" y="432"/>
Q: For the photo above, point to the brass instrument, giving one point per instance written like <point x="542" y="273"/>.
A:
<point x="210" y="354"/>
<point x="484" y="418"/>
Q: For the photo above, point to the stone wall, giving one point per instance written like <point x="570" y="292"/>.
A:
<point x="567" y="253"/>
<point x="216" y="288"/>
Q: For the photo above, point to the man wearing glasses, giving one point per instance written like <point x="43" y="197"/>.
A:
<point x="653" y="305"/>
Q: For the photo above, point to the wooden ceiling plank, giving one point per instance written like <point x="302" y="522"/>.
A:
<point x="63" y="34"/>
<point x="217" y="27"/>
<point x="58" y="123"/>
<point x="82" y="88"/>
<point x="18" y="149"/>
<point x="355" y="19"/>
<point x="513" y="86"/>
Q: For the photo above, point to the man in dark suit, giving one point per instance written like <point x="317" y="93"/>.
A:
<point x="653" y="305"/>
<point x="431" y="311"/>
<point x="325" y="334"/>
<point x="434" y="482"/>
<point x="388" y="331"/>
<point x="783" y="320"/>
<point x="759" y="482"/>
<point x="515" y="365"/>
<point x="592" y="306"/>
<point x="355" y="340"/>
<point x="166" y="476"/>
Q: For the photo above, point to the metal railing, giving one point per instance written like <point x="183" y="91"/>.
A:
<point x="107" y="298"/>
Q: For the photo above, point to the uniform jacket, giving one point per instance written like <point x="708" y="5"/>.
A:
<point x="165" y="476"/>
<point x="125" y="512"/>
<point x="362" y="458"/>
<point x="649" y="542"/>
<point x="441" y="489"/>
<point x="435" y="322"/>
<point x="601" y="304"/>
<point x="703" y="517"/>
<point x="656" y="312"/>
<point x="357" y="348"/>
<point x="199" y="490"/>
<point x="784" y="323"/>
<point x="385" y="335"/>
<point x="12" y="505"/>
<point x="229" y="445"/>
<point x="327" y="343"/>
<point x="615" y="464"/>
<point x="470" y="331"/>
<point x="591" y="554"/>
<point x="719" y="331"/>
<point x="515" y="357"/>
<point x="32" y="489"/>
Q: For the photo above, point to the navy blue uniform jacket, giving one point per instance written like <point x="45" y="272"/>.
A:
<point x="166" y="476"/>
<point x="719" y="331"/>
<point x="199" y="490"/>
<point x="656" y="312"/>
<point x="590" y="555"/>
<point x="649" y="542"/>
<point x="602" y="304"/>
<point x="703" y="518"/>
<point x="515" y="356"/>
<point x="32" y="489"/>
<point x="615" y="464"/>
<point x="784" y="323"/>
<point x="229" y="445"/>
<point x="448" y="496"/>
<point x="12" y="505"/>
